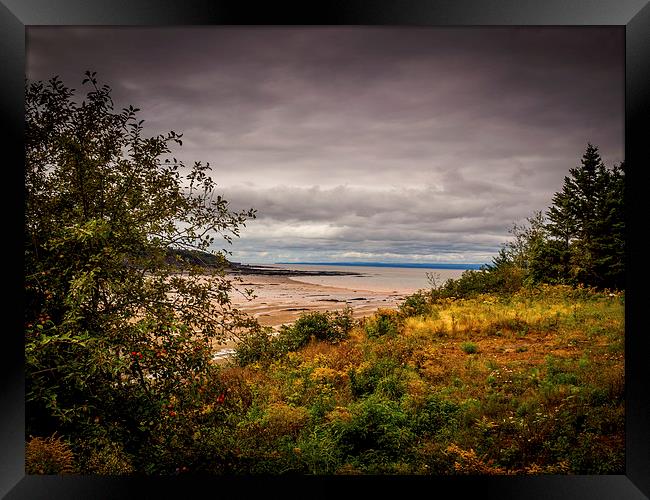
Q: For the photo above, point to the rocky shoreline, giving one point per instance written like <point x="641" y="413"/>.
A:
<point x="247" y="270"/>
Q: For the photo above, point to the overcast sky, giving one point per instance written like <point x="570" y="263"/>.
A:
<point x="366" y="144"/>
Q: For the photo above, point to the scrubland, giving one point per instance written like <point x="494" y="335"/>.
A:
<point x="525" y="384"/>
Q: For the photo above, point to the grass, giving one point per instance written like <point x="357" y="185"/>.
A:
<point x="528" y="385"/>
<point x="469" y="347"/>
<point x="531" y="383"/>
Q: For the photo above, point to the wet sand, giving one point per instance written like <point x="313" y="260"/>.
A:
<point x="281" y="300"/>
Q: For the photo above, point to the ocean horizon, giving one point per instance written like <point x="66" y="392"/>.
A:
<point x="413" y="265"/>
<point x="378" y="277"/>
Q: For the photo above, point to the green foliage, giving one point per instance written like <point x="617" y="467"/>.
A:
<point x="384" y="322"/>
<point x="257" y="345"/>
<point x="579" y="240"/>
<point x="383" y="376"/>
<point x="469" y="347"/>
<point x="413" y="403"/>
<point x="417" y="304"/>
<point x="503" y="278"/>
<point x="326" y="326"/>
<point x="587" y="219"/>
<point x="120" y="323"/>
<point x="113" y="329"/>
<point x="378" y="429"/>
<point x="437" y="417"/>
<point x="261" y="344"/>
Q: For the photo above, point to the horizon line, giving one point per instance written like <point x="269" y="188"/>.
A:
<point x="381" y="263"/>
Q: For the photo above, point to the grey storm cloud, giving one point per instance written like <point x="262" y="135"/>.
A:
<point x="410" y="206"/>
<point x="365" y="143"/>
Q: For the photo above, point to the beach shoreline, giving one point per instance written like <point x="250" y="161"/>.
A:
<point x="280" y="300"/>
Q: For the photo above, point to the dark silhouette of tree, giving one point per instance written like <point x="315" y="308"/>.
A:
<point x="580" y="239"/>
<point x="587" y="218"/>
<point x="561" y="225"/>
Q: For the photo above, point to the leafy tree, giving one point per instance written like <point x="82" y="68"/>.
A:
<point x="531" y="251"/>
<point x="115" y="333"/>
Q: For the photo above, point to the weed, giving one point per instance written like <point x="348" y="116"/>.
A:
<point x="469" y="347"/>
<point x="50" y="455"/>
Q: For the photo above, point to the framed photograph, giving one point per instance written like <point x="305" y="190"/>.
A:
<point x="398" y="243"/>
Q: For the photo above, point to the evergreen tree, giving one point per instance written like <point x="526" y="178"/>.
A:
<point x="581" y="238"/>
<point x="562" y="227"/>
<point x="608" y="241"/>
<point x="586" y="222"/>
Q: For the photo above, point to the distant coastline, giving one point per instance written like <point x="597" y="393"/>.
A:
<point x="262" y="270"/>
<point x="387" y="264"/>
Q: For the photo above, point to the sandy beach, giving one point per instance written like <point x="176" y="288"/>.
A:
<point x="281" y="300"/>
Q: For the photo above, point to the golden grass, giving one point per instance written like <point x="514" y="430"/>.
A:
<point x="51" y="455"/>
<point x="535" y="354"/>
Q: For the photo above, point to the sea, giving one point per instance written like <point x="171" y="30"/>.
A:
<point x="379" y="277"/>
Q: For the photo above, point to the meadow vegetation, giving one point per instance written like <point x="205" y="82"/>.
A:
<point x="530" y="383"/>
<point x="522" y="384"/>
<point x="517" y="368"/>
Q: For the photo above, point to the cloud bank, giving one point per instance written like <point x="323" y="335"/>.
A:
<point x="400" y="144"/>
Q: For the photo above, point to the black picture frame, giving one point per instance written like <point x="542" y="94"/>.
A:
<point x="634" y="15"/>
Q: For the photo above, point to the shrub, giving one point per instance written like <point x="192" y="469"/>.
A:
<point x="436" y="416"/>
<point x="260" y="345"/>
<point x="505" y="280"/>
<point x="377" y="424"/>
<point x="315" y="325"/>
<point x="325" y="326"/>
<point x="469" y="347"/>
<point x="49" y="455"/>
<point x="384" y="322"/>
<point x="108" y="458"/>
<point x="417" y="304"/>
<point x="256" y="345"/>
<point x="383" y="375"/>
<point x="320" y="450"/>
<point x="343" y="323"/>
<point x="111" y="329"/>
<point x="281" y="419"/>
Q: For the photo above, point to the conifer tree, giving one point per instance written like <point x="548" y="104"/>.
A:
<point x="587" y="220"/>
